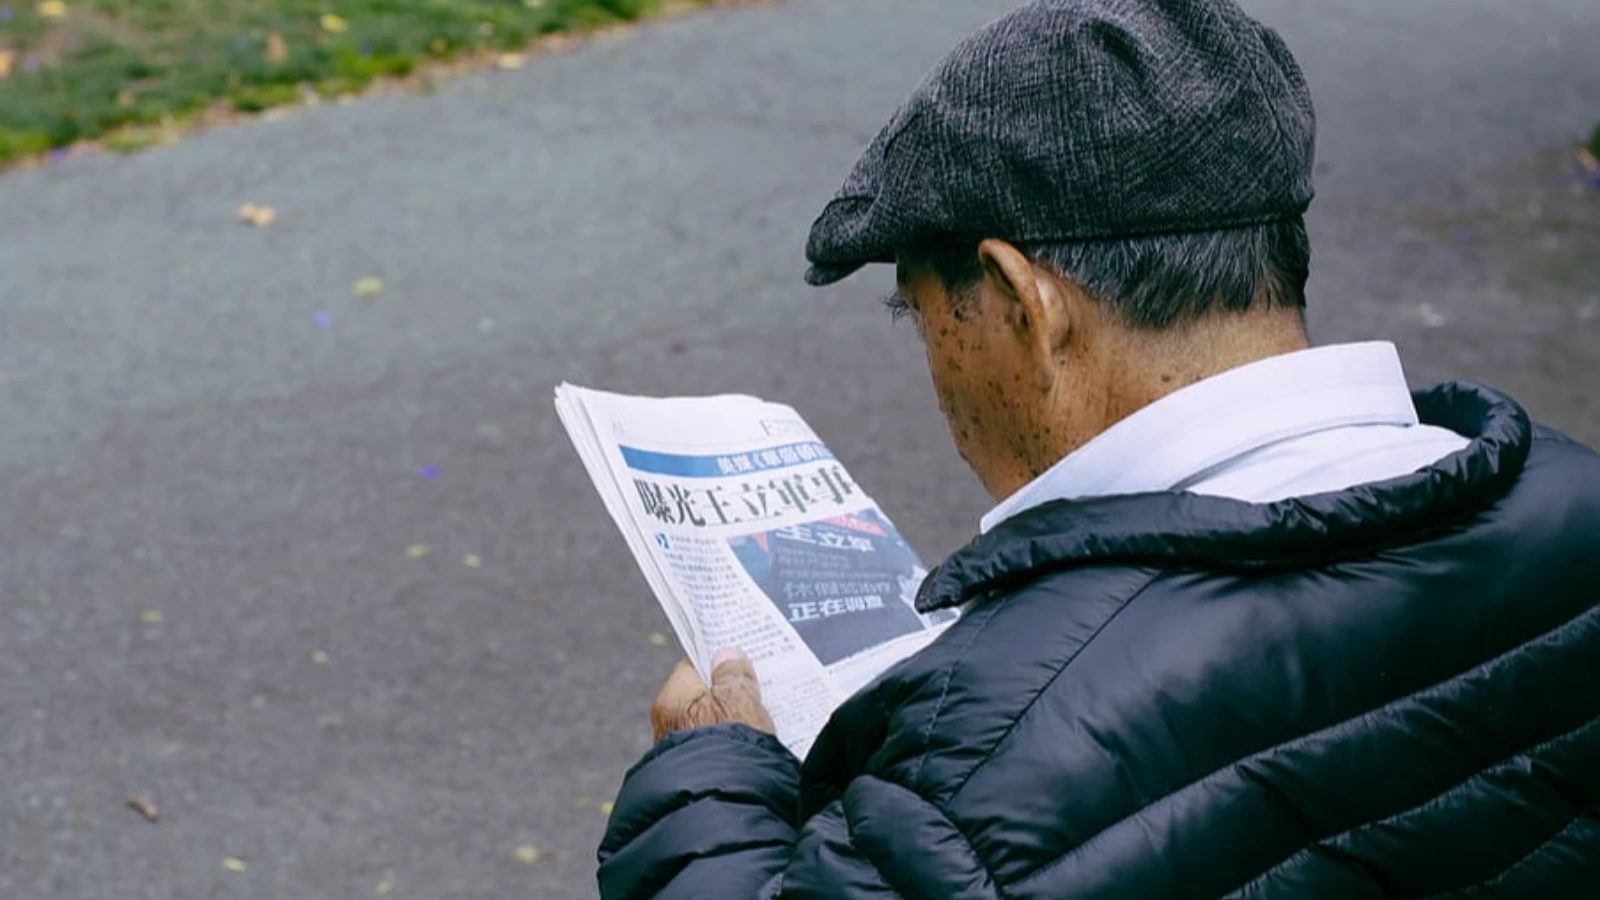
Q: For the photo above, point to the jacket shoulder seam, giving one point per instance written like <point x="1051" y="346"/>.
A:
<point x="1045" y="689"/>
<point x="944" y="693"/>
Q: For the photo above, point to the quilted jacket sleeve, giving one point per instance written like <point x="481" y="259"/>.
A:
<point x="710" y="813"/>
<point x="706" y="813"/>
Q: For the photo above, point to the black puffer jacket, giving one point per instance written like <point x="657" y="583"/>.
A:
<point x="1391" y="691"/>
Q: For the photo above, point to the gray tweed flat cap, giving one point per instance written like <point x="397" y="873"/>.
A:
<point x="1083" y="119"/>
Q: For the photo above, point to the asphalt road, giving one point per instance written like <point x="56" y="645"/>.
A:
<point x="202" y="424"/>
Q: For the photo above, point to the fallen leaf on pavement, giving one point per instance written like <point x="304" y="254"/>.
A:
<point x="511" y="61"/>
<point x="259" y="216"/>
<point x="1431" y="317"/>
<point x="657" y="639"/>
<point x="319" y="657"/>
<point x="385" y="886"/>
<point x="527" y="855"/>
<point x="144" y="807"/>
<point x="151" y="617"/>
<point x="368" y="287"/>
<point x="473" y="561"/>
<point x="418" y="551"/>
<point x="605" y="807"/>
<point x="233" y="865"/>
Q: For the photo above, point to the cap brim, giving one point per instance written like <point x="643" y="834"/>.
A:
<point x="823" y="275"/>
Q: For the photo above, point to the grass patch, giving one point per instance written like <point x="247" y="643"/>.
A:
<point x="79" y="70"/>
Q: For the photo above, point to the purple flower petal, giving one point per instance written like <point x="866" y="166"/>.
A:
<point x="429" y="472"/>
<point x="323" y="320"/>
<point x="58" y="154"/>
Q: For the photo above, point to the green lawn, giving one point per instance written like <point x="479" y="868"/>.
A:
<point x="75" y="70"/>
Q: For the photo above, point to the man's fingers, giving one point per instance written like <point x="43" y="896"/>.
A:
<point x="682" y="688"/>
<point x="734" y="696"/>
<point x="684" y="681"/>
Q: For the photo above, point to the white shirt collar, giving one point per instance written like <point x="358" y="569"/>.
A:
<point x="1210" y="422"/>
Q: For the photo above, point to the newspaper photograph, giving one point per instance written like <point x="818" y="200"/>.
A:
<point x="753" y="535"/>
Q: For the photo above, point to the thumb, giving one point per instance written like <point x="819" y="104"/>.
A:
<point x="731" y="669"/>
<point x="737" y="692"/>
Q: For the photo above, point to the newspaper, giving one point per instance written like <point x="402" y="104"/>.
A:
<point x="752" y="535"/>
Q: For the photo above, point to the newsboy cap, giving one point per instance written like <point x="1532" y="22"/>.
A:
<point x="1079" y="120"/>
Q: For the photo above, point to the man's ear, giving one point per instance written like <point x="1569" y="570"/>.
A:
<point x="1034" y="305"/>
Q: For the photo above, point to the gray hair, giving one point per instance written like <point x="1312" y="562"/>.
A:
<point x="1160" y="281"/>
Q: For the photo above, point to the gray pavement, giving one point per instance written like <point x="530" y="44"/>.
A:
<point x="182" y="436"/>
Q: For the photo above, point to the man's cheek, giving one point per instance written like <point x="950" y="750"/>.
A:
<point x="964" y="418"/>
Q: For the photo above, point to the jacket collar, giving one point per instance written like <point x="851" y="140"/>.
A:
<point x="1178" y="530"/>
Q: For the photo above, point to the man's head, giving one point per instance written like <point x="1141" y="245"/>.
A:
<point x="1089" y="203"/>
<point x="1034" y="350"/>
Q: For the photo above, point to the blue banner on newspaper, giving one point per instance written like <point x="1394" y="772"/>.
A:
<point x="683" y="466"/>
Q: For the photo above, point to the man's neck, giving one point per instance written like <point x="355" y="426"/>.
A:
<point x="1146" y="366"/>
<point x="1133" y="369"/>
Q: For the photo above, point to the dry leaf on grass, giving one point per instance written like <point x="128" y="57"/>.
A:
<point x="277" y="49"/>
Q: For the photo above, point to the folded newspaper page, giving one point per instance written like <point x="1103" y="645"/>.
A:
<point x="752" y="535"/>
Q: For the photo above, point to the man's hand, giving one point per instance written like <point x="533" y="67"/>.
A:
<point x="734" y="696"/>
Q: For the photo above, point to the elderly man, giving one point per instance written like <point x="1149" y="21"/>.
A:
<point x="1250" y="619"/>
